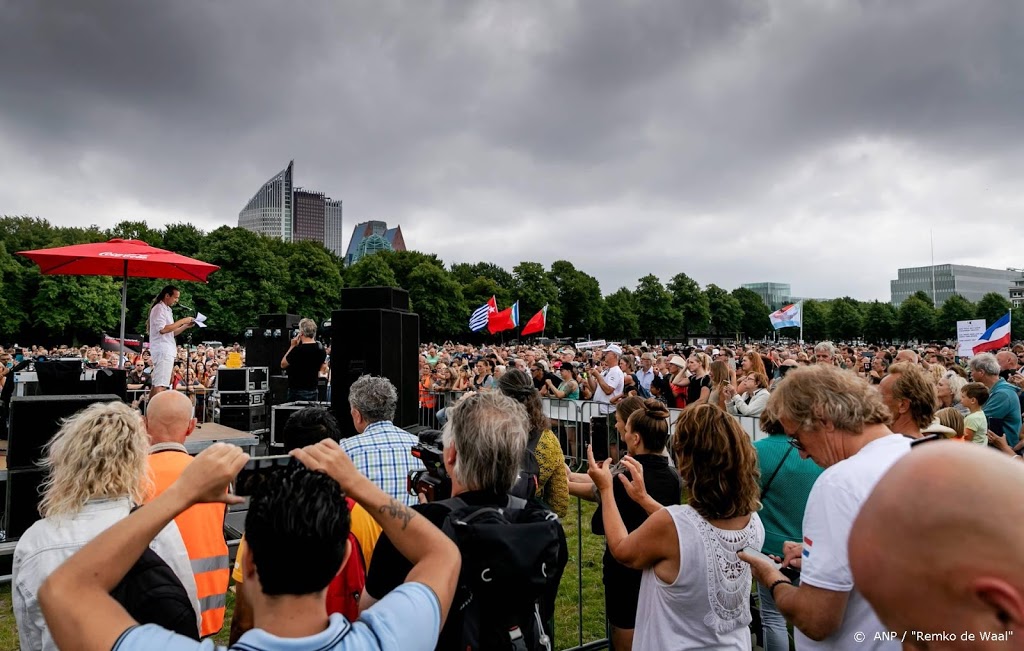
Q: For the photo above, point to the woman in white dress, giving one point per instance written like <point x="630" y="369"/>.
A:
<point x="695" y="591"/>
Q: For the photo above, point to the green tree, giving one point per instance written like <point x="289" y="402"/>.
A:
<point x="621" y="321"/>
<point x="13" y="304"/>
<point x="992" y="307"/>
<point x="466" y="273"/>
<point x="78" y="307"/>
<point x="480" y="290"/>
<point x="754" y="322"/>
<point x="185" y="239"/>
<point x="129" y="230"/>
<point x="438" y="300"/>
<point x="691" y="304"/>
<point x="815" y="320"/>
<point x="534" y="289"/>
<point x="313" y="285"/>
<point x="916" y="319"/>
<point x="880" y="322"/>
<point x="404" y="262"/>
<point x="654" y="310"/>
<point x="1017" y="324"/>
<point x="726" y="311"/>
<point x="579" y="299"/>
<point x="956" y="308"/>
<point x="371" y="271"/>
<point x="251" y="281"/>
<point x="844" y="319"/>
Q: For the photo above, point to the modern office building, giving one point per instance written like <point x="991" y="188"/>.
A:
<point x="1017" y="292"/>
<point x="332" y="227"/>
<point x="774" y="295"/>
<point x="970" y="282"/>
<point x="269" y="212"/>
<point x="308" y="224"/>
<point x="373" y="236"/>
<point x="280" y="210"/>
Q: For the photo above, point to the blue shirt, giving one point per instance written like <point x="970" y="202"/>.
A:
<point x="1003" y="403"/>
<point x="408" y="618"/>
<point x="383" y="453"/>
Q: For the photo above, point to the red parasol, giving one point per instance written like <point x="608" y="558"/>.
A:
<point x="122" y="258"/>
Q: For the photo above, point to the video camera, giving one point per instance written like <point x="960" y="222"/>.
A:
<point x="433" y="482"/>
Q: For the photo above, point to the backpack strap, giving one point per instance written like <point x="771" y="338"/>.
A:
<point x="768" y="484"/>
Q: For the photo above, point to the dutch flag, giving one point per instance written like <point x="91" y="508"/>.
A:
<point x="787" y="317"/>
<point x="996" y="337"/>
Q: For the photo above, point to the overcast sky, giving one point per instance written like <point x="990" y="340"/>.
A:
<point x="815" y="143"/>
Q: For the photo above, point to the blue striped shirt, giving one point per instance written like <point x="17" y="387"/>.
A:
<point x="383" y="452"/>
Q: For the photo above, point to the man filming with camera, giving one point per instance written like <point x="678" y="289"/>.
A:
<point x="514" y="551"/>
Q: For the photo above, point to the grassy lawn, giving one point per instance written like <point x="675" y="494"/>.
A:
<point x="567" y="618"/>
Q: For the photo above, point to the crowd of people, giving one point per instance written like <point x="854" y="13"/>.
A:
<point x="825" y="516"/>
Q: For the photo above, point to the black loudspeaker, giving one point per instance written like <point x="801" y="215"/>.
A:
<point x="113" y="381"/>
<point x="278" y="390"/>
<point x="22" y="504"/>
<point x="34" y="421"/>
<point x="244" y="419"/>
<point x="261" y="350"/>
<point x="369" y="298"/>
<point x="377" y="342"/>
<point x="60" y="377"/>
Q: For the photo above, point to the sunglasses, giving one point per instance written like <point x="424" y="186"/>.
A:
<point x="797" y="445"/>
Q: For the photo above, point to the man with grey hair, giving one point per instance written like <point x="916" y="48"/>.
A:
<point x="1003" y="407"/>
<point x="303" y="361"/>
<point x="381" y="450"/>
<point x="485" y="441"/>
<point x="825" y="353"/>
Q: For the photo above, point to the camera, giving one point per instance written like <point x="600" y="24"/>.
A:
<point x="434" y="482"/>
<point x="255" y="471"/>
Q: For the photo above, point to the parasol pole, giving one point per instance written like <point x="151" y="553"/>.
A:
<point x="124" y="309"/>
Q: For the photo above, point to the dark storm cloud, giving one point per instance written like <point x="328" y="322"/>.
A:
<point x="736" y="141"/>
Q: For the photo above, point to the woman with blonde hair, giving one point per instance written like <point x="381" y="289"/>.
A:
<point x="721" y="377"/>
<point x="698" y="382"/>
<point x="98" y="470"/>
<point x="954" y="420"/>
<point x="703" y="601"/>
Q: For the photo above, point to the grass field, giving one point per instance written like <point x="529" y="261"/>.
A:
<point x="567" y="617"/>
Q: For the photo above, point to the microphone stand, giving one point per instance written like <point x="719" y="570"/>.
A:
<point x="189" y="393"/>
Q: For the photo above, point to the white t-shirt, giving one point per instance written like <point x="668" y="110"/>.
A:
<point x="832" y="506"/>
<point x="614" y="378"/>
<point x="160" y="316"/>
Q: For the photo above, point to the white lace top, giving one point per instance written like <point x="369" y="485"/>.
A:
<point x="708" y="605"/>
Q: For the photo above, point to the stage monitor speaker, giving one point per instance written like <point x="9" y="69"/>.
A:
<point x="60" y="377"/>
<point x="113" y="381"/>
<point x="374" y="298"/>
<point x="35" y="420"/>
<point x="376" y="342"/>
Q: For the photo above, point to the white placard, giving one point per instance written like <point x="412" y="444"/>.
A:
<point x="967" y="333"/>
<point x="598" y="343"/>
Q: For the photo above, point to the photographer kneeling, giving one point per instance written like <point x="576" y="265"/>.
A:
<point x="517" y="552"/>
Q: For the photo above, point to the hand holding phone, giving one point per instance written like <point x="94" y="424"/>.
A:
<point x="756" y="554"/>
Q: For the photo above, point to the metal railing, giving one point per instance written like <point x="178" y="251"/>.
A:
<point x="574" y="422"/>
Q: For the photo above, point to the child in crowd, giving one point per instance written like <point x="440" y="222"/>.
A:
<point x="974" y="395"/>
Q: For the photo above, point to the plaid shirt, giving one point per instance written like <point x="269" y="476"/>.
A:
<point x="383" y="452"/>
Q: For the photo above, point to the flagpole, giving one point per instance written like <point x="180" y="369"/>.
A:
<point x="801" y="323"/>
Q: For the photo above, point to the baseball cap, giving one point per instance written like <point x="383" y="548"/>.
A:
<point x="613" y="348"/>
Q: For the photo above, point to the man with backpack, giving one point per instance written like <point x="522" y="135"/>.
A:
<point x="513" y="551"/>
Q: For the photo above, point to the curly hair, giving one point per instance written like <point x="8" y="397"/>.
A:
<point x="100" y="452"/>
<point x="717" y="462"/>
<point x="650" y="421"/>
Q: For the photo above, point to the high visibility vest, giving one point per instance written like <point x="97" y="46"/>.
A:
<point x="202" y="529"/>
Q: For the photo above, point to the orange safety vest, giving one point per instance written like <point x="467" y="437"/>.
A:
<point x="202" y="529"/>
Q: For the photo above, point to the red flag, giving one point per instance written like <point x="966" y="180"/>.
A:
<point x="537" y="323"/>
<point x="505" y="320"/>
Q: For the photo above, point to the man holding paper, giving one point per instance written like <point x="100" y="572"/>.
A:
<point x="162" y="331"/>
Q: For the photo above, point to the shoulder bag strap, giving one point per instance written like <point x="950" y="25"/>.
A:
<point x="764" y="491"/>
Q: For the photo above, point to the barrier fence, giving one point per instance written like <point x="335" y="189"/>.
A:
<point x="576" y="423"/>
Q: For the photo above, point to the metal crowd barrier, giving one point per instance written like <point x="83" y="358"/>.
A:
<point x="573" y="422"/>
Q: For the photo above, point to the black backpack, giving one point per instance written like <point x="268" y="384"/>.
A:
<point x="512" y="562"/>
<point x="152" y="594"/>
<point x="529" y="474"/>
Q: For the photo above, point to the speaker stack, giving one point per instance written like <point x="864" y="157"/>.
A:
<point x="375" y="334"/>
<point x="34" y="420"/>
<point x="242" y="394"/>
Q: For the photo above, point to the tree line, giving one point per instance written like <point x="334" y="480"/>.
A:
<point x="261" y="275"/>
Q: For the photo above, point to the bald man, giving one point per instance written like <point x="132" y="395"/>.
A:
<point x="169" y="421"/>
<point x="934" y="559"/>
<point x="907" y="355"/>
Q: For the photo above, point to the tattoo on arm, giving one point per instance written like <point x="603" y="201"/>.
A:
<point x="398" y="511"/>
